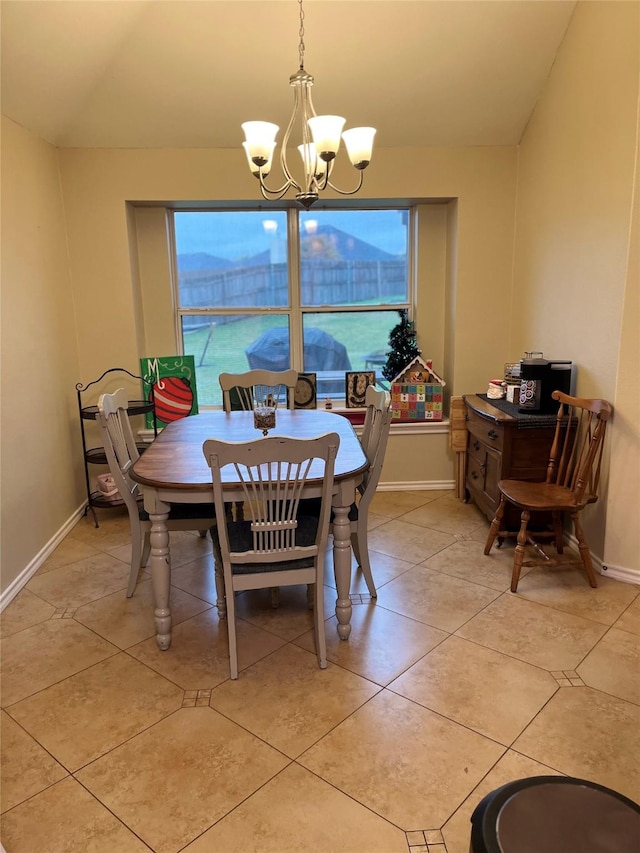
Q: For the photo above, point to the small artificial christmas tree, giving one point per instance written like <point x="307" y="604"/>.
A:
<point x="402" y="340"/>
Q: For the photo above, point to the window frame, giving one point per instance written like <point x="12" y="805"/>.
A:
<point x="295" y="311"/>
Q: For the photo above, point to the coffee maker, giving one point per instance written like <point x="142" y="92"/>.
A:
<point x="539" y="377"/>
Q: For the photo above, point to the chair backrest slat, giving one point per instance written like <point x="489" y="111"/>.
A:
<point x="578" y="444"/>
<point x="273" y="473"/>
<point x="119" y="444"/>
<point x="374" y="437"/>
<point x="256" y="388"/>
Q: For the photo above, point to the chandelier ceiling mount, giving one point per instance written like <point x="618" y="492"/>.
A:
<point x="319" y="138"/>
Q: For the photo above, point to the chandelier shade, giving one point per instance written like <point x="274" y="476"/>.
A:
<point x="319" y="142"/>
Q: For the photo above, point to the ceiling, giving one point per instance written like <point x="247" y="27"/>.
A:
<point x="187" y="73"/>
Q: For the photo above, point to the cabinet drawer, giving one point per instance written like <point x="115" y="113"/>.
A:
<point x="475" y="473"/>
<point x="477" y="449"/>
<point x="487" y="432"/>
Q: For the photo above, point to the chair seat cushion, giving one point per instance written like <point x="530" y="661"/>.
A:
<point x="184" y="512"/>
<point x="539" y="496"/>
<point x="312" y="506"/>
<point x="241" y="539"/>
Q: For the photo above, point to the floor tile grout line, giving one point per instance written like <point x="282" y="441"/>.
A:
<point x="522" y="597"/>
<point x="499" y="652"/>
<point x="450" y="719"/>
<point x="347" y="794"/>
<point x="386" y="687"/>
<point x="112" y="813"/>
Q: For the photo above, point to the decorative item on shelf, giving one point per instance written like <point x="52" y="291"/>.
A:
<point x="173" y="379"/>
<point x="402" y="346"/>
<point x="264" y="418"/>
<point x="305" y="394"/>
<point x="107" y="487"/>
<point x="356" y="384"/>
<point x="318" y="140"/>
<point x="512" y="381"/>
<point x="417" y="393"/>
<point x="512" y="393"/>
<point x="496" y="389"/>
<point x="512" y="373"/>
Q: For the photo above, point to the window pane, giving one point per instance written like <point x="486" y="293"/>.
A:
<point x="233" y="344"/>
<point x="354" y="257"/>
<point x="345" y="340"/>
<point x="231" y="259"/>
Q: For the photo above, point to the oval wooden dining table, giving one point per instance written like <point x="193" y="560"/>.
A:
<point x="173" y="469"/>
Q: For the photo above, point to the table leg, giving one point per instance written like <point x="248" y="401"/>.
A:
<point x="160" y="565"/>
<point x="342" y="568"/>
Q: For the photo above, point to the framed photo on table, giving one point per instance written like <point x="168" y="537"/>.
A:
<point x="356" y="384"/>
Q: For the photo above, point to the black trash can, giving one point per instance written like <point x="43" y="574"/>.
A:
<point x="555" y="814"/>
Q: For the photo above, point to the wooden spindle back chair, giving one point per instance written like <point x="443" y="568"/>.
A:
<point x="573" y="478"/>
<point x="255" y="388"/>
<point x="121" y="452"/>
<point x="277" y="545"/>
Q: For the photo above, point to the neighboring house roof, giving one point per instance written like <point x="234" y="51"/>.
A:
<point x="202" y="261"/>
<point x="326" y="243"/>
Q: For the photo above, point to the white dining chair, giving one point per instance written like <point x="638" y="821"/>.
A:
<point x="375" y="434"/>
<point x="274" y="545"/>
<point x="255" y="388"/>
<point x="121" y="452"/>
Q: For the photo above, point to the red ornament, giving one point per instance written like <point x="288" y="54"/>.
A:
<point x="173" y="398"/>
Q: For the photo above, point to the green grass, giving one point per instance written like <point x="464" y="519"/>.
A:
<point x="225" y="351"/>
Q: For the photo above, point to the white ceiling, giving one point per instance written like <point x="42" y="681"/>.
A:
<point x="186" y="73"/>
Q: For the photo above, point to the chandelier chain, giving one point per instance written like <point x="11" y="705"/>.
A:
<point x="320" y="137"/>
<point x="301" y="34"/>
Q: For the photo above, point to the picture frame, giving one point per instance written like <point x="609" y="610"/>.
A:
<point x="356" y="383"/>
<point x="306" y="391"/>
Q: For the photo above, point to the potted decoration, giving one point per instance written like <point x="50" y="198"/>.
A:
<point x="402" y="341"/>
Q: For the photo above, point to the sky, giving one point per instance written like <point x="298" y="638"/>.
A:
<point x="234" y="235"/>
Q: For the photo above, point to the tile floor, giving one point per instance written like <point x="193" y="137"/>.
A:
<point x="449" y="686"/>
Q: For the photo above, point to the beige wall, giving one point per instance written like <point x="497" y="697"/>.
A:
<point x="110" y="283"/>
<point x="41" y="475"/>
<point x="97" y="185"/>
<point x="575" y="292"/>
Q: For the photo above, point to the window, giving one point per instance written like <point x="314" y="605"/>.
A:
<point x="318" y="291"/>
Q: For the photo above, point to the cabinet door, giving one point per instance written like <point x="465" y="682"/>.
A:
<point x="529" y="454"/>
<point x="483" y="472"/>
<point x="485" y="431"/>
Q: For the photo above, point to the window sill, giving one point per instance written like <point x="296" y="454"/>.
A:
<point x="356" y="416"/>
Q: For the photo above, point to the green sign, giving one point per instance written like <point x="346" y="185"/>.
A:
<point x="172" y="378"/>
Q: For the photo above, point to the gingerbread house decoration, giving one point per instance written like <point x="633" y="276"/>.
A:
<point x="416" y="393"/>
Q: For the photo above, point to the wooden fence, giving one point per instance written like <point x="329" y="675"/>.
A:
<point x="323" y="283"/>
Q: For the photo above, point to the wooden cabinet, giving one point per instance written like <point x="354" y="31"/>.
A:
<point x="504" y="444"/>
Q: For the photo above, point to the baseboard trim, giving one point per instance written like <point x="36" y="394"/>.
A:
<point x="619" y="573"/>
<point x="417" y="486"/>
<point x="7" y="595"/>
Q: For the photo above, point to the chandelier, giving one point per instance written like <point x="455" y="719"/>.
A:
<point x="320" y="140"/>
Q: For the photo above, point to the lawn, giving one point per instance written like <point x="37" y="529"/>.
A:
<point x="222" y="348"/>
